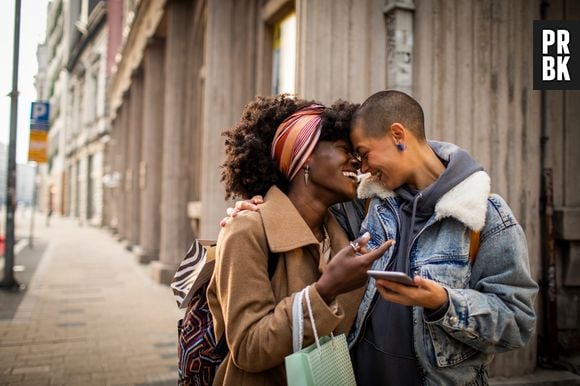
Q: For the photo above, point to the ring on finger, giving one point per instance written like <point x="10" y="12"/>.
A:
<point x="355" y="247"/>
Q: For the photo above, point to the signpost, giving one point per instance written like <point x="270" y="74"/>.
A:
<point x="37" y="149"/>
<point x="8" y="281"/>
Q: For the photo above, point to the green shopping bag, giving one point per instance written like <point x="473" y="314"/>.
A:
<point x="325" y="362"/>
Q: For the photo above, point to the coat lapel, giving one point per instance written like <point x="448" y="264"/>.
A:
<point x="286" y="230"/>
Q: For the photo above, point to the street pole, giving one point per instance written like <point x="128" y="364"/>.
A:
<point x="9" y="282"/>
<point x="33" y="211"/>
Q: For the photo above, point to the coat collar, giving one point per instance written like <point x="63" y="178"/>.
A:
<point x="286" y="229"/>
<point x="466" y="202"/>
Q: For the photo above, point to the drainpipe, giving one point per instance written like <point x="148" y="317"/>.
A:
<point x="399" y="15"/>
<point x="549" y="285"/>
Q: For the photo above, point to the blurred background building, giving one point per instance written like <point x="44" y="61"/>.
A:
<point x="24" y="180"/>
<point x="142" y="90"/>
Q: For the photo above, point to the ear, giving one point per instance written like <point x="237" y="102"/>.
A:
<point x="399" y="133"/>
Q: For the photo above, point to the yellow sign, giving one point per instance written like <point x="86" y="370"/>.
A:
<point x="37" y="147"/>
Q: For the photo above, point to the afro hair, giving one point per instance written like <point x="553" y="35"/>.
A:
<point x="249" y="169"/>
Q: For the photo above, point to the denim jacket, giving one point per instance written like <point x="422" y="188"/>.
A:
<point x="490" y="302"/>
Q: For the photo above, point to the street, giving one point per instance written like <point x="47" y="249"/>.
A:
<point x="89" y="314"/>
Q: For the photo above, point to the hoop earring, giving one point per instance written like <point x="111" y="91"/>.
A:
<point x="306" y="173"/>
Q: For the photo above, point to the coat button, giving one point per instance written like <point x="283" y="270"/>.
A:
<point x="453" y="320"/>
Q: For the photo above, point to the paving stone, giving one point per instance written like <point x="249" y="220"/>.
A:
<point x="31" y="370"/>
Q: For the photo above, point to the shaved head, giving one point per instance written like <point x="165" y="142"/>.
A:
<point x="382" y="109"/>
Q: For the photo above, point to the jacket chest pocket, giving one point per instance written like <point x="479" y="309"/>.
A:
<point x="450" y="270"/>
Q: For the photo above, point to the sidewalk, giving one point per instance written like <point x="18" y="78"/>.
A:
<point x="89" y="314"/>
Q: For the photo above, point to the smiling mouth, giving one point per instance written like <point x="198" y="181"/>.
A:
<point x="351" y="176"/>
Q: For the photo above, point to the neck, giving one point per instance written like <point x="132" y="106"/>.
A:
<point x="427" y="167"/>
<point x="312" y="210"/>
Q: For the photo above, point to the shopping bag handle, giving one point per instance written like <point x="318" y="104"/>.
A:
<point x="298" y="320"/>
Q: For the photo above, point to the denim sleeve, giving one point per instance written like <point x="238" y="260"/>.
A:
<point x="497" y="312"/>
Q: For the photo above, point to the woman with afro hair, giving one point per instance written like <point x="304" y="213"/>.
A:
<point x="297" y="154"/>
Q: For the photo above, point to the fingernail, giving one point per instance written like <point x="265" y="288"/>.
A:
<point x="367" y="234"/>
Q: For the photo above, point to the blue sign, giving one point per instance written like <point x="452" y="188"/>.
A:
<point x="37" y="147"/>
<point x="39" y="114"/>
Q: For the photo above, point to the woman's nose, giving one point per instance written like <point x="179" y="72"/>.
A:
<point x="363" y="167"/>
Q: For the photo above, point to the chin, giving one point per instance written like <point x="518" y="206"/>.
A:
<point x="350" y="195"/>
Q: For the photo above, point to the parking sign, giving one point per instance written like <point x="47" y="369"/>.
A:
<point x="39" y="119"/>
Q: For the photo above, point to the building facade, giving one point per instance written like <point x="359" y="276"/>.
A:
<point x="52" y="85"/>
<point x="73" y="78"/>
<point x="87" y="121"/>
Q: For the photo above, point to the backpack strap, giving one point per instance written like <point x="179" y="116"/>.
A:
<point x="474" y="246"/>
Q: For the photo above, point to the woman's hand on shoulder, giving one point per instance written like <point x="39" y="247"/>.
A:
<point x="251" y="204"/>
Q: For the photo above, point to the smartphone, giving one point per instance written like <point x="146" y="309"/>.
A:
<point x="399" y="277"/>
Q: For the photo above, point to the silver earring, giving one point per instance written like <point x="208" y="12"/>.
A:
<point x="306" y="173"/>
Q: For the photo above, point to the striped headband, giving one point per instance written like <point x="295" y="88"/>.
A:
<point x="295" y="140"/>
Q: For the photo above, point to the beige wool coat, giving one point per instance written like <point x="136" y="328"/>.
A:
<point x="255" y="313"/>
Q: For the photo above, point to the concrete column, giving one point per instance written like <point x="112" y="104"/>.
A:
<point x="115" y="171"/>
<point x="72" y="182"/>
<point x="108" y="169"/>
<point x="98" y="215"/>
<point x="175" y="229"/>
<point x="152" y="152"/>
<point x="229" y="86"/>
<point x="82" y="184"/>
<point x="123" y="155"/>
<point x="128" y="171"/>
<point x="135" y="130"/>
<point x="194" y="120"/>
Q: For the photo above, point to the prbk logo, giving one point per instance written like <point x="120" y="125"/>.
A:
<point x="556" y="55"/>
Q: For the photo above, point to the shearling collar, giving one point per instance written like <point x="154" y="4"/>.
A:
<point x="285" y="228"/>
<point x="466" y="202"/>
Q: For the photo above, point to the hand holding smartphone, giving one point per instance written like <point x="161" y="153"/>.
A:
<point x="398" y="277"/>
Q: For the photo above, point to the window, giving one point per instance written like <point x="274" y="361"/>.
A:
<point x="284" y="55"/>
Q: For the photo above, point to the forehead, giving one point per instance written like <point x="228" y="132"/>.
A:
<point x="334" y="144"/>
<point x="358" y="135"/>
